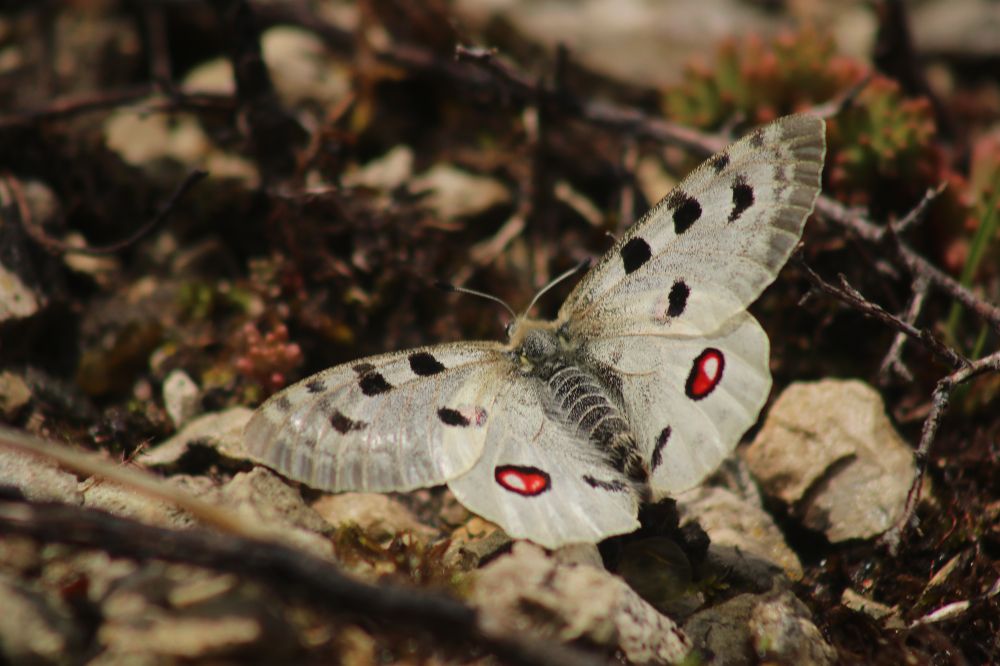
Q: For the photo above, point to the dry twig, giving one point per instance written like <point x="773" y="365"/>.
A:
<point x="914" y="262"/>
<point x="56" y="246"/>
<point x="248" y="549"/>
<point x="939" y="404"/>
<point x="165" y="100"/>
<point x="290" y="573"/>
<point x="847" y="294"/>
<point x="893" y="361"/>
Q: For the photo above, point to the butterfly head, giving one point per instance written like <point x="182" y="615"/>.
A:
<point x="533" y="340"/>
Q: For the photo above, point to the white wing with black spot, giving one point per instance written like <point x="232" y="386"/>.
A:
<point x="540" y="480"/>
<point x="393" y="422"/>
<point x="689" y="400"/>
<point x="709" y="248"/>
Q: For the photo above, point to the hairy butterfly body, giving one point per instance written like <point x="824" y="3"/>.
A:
<point x="643" y="384"/>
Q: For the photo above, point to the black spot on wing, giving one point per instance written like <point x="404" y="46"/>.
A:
<point x="678" y="298"/>
<point x="282" y="403"/>
<point x="610" y="486"/>
<point x="635" y="253"/>
<point x="344" y="424"/>
<point x="362" y="368"/>
<point x="315" y="386"/>
<point x="373" y="383"/>
<point x="661" y="442"/>
<point x="742" y="198"/>
<point x="424" y="364"/>
<point x="757" y="138"/>
<point x="452" y="417"/>
<point x="686" y="209"/>
<point x="720" y="162"/>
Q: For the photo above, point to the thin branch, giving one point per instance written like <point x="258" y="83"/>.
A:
<point x="56" y="246"/>
<point x="852" y="297"/>
<point x="290" y="573"/>
<point x="626" y="201"/>
<point x="143" y="483"/>
<point x="965" y="370"/>
<point x="916" y="264"/>
<point x="598" y="113"/>
<point x="918" y="212"/>
<point x="893" y="361"/>
<point x="843" y="101"/>
<point x="75" y="105"/>
<point x="939" y="405"/>
<point x="70" y="106"/>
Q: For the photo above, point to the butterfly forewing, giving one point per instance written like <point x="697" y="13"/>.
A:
<point x="709" y="248"/>
<point x="393" y="422"/>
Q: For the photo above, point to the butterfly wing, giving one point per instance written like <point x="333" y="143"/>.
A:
<point x="539" y="479"/>
<point x="689" y="400"/>
<point x="664" y="309"/>
<point x="392" y="422"/>
<point x="709" y="248"/>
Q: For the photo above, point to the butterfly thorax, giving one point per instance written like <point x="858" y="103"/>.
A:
<point x="576" y="396"/>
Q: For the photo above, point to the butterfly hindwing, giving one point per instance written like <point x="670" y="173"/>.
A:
<point x="539" y="479"/>
<point x="709" y="248"/>
<point x="392" y="422"/>
<point x="689" y="400"/>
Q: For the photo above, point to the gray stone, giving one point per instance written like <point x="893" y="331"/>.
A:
<point x="735" y="524"/>
<point x="454" y="193"/>
<point x="180" y="397"/>
<point x="379" y="515"/>
<point x="14" y="395"/>
<point x="18" y="300"/>
<point x="722" y="631"/>
<point x="828" y="450"/>
<point x="528" y="591"/>
<point x="263" y="498"/>
<point x="34" y="628"/>
<point x="782" y="631"/>
<point x="222" y="431"/>
<point x="39" y="480"/>
<point x="759" y="628"/>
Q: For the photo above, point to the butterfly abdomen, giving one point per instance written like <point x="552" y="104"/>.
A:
<point x="582" y="402"/>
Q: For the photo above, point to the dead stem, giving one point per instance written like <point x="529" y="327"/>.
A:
<point x="847" y="294"/>
<point x="10" y="187"/>
<point x="914" y="262"/>
<point x="939" y="404"/>
<point x="291" y="573"/>
<point x="893" y="361"/>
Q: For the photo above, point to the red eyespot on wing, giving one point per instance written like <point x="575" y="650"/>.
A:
<point x="527" y="481"/>
<point x="706" y="373"/>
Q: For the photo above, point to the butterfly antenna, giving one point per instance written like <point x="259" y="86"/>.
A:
<point x="570" y="273"/>
<point x="445" y="286"/>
